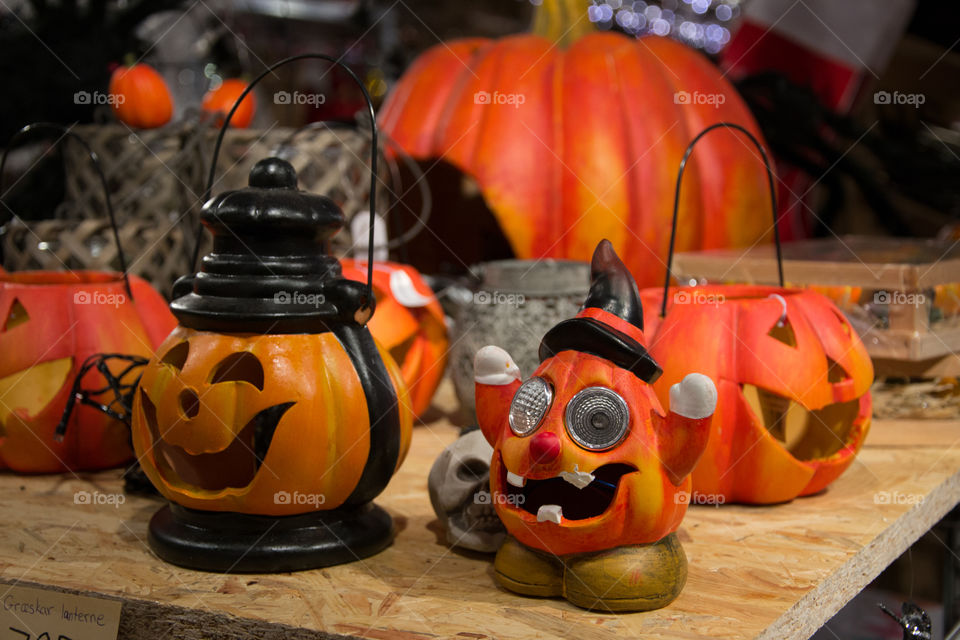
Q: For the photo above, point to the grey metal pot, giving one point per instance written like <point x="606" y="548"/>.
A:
<point x="514" y="303"/>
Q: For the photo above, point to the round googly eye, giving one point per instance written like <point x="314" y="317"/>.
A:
<point x="530" y="404"/>
<point x="597" y="418"/>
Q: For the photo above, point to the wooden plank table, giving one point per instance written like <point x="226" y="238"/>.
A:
<point x="755" y="572"/>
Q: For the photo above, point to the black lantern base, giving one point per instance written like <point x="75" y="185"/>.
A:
<point x="240" y="543"/>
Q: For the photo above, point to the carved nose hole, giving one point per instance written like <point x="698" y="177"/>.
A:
<point x="189" y="403"/>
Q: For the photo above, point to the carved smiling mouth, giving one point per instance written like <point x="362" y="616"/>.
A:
<point x="27" y="393"/>
<point x="233" y="467"/>
<point x="571" y="495"/>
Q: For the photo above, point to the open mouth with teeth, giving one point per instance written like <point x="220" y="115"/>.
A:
<point x="233" y="467"/>
<point x="571" y="495"/>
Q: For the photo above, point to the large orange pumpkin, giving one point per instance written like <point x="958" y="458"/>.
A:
<point x="577" y="138"/>
<point x="140" y="97"/>
<point x="793" y="380"/>
<point x="51" y="323"/>
<point x="409" y="323"/>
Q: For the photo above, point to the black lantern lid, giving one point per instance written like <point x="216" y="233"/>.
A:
<point x="268" y="272"/>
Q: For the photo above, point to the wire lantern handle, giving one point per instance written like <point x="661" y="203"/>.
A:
<point x="425" y="195"/>
<point x="676" y="202"/>
<point x="66" y="132"/>
<point x="373" y="149"/>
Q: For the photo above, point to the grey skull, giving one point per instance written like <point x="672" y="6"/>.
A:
<point x="459" y="485"/>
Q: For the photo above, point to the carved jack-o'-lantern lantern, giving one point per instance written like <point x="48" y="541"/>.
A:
<point x="409" y="323"/>
<point x="50" y="323"/>
<point x="272" y="398"/>
<point x="793" y="380"/>
<point x="270" y="418"/>
<point x="589" y="475"/>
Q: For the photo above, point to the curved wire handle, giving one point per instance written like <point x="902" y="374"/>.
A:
<point x="676" y="202"/>
<point x="66" y="132"/>
<point x="425" y="195"/>
<point x="373" y="148"/>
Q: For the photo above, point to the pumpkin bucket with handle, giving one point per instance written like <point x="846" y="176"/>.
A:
<point x="50" y="323"/>
<point x="271" y="418"/>
<point x="792" y="377"/>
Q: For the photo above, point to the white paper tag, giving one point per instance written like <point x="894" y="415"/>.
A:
<point x="40" y="614"/>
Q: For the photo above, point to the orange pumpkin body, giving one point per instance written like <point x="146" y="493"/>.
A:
<point x="572" y="144"/>
<point x="140" y="97"/>
<point x="409" y="323"/>
<point x="221" y="100"/>
<point x="51" y="323"/>
<point x="645" y="507"/>
<point x="194" y="432"/>
<point x="793" y="382"/>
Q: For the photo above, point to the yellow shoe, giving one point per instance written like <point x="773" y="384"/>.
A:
<point x="632" y="578"/>
<point x="524" y="570"/>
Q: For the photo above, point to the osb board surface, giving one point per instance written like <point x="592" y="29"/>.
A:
<point x="772" y="572"/>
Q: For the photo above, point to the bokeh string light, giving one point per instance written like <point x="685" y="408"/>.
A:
<point x="703" y="24"/>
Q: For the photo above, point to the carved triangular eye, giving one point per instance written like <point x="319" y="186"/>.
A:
<point x="239" y="367"/>
<point x="16" y="317"/>
<point x="835" y="372"/>
<point x="177" y="356"/>
<point x="783" y="332"/>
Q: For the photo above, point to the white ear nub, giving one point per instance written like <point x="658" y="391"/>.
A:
<point x="405" y="292"/>
<point x="494" y="366"/>
<point x="694" y="397"/>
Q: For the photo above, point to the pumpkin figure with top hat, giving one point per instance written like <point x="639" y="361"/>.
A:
<point x="589" y="475"/>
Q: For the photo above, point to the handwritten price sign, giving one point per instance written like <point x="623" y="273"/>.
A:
<point x="38" y="614"/>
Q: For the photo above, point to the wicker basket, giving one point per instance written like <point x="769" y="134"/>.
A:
<point x="157" y="180"/>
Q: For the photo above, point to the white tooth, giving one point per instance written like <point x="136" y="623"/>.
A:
<point x="577" y="478"/>
<point x="550" y="512"/>
<point x="515" y="480"/>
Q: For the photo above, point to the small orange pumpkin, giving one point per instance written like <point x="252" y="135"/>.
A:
<point x="140" y="97"/>
<point x="793" y="380"/>
<point x="409" y="323"/>
<point x="221" y="100"/>
<point x="51" y="323"/>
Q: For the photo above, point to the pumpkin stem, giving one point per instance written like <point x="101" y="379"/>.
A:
<point x="562" y="21"/>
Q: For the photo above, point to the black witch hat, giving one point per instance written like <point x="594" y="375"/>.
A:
<point x="613" y="290"/>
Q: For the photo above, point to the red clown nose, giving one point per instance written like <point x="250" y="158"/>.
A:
<point x="545" y="447"/>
